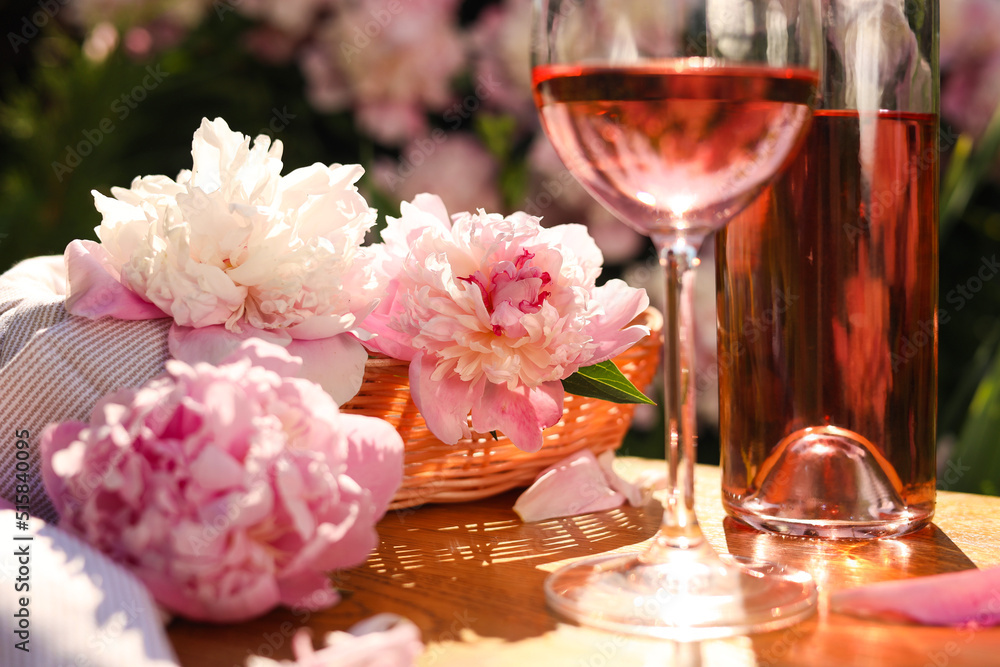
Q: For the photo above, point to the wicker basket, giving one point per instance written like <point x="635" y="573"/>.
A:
<point x="481" y="466"/>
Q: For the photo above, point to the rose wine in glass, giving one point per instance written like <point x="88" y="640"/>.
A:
<point x="675" y="115"/>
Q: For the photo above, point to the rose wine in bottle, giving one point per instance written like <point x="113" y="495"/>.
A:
<point x="827" y="306"/>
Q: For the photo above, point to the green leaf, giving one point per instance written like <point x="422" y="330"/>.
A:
<point x="606" y="382"/>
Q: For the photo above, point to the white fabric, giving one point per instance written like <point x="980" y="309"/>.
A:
<point x="82" y="609"/>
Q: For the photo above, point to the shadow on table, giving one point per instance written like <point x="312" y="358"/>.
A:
<point x="455" y="569"/>
<point x="836" y="564"/>
<point x="830" y="638"/>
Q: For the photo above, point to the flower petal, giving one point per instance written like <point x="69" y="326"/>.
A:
<point x="345" y="539"/>
<point x="309" y="590"/>
<point x="337" y="364"/>
<point x="385" y="339"/>
<point x="384" y="640"/>
<point x="374" y="457"/>
<point x="324" y="326"/>
<point x="215" y="469"/>
<point x="576" y="240"/>
<point x="263" y="354"/>
<point x="634" y="493"/>
<point x="970" y="597"/>
<point x="520" y="413"/>
<point x="257" y="596"/>
<point x="622" y="304"/>
<point x="444" y="404"/>
<point x="57" y="438"/>
<point x="575" y="485"/>
<point x="94" y="289"/>
<point x="216" y="343"/>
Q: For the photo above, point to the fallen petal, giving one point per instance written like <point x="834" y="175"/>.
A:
<point x="634" y="493"/>
<point x="970" y="597"/>
<point x="575" y="485"/>
<point x="384" y="640"/>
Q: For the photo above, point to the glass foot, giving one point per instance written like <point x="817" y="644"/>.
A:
<point x="690" y="598"/>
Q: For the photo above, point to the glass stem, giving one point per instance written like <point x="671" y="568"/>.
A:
<point x="679" y="528"/>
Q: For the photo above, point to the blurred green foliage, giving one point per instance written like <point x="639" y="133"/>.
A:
<point x="969" y="349"/>
<point x="69" y="126"/>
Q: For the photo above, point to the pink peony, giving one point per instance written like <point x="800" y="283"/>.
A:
<point x="970" y="64"/>
<point x="492" y="313"/>
<point x="501" y="48"/>
<point x="455" y="166"/>
<point x="227" y="490"/>
<point x="391" y="62"/>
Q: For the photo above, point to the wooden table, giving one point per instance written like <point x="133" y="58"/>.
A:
<point x="470" y="576"/>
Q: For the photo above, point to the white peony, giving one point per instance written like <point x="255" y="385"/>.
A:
<point x="232" y="249"/>
<point x="233" y="241"/>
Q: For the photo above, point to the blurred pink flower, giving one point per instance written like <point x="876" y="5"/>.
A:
<point x="391" y="62"/>
<point x="292" y="17"/>
<point x="492" y="313"/>
<point x="147" y="26"/>
<point x="227" y="490"/>
<point x="454" y="166"/>
<point x="271" y="45"/>
<point x="128" y="13"/>
<point x="283" y="25"/>
<point x="557" y="197"/>
<point x="970" y="63"/>
<point x="501" y="51"/>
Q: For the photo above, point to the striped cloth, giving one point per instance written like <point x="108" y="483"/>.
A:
<point x="55" y="366"/>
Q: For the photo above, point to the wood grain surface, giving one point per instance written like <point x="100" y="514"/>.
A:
<point x="470" y="576"/>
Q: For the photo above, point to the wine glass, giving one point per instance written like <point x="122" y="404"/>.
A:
<point x="675" y="114"/>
